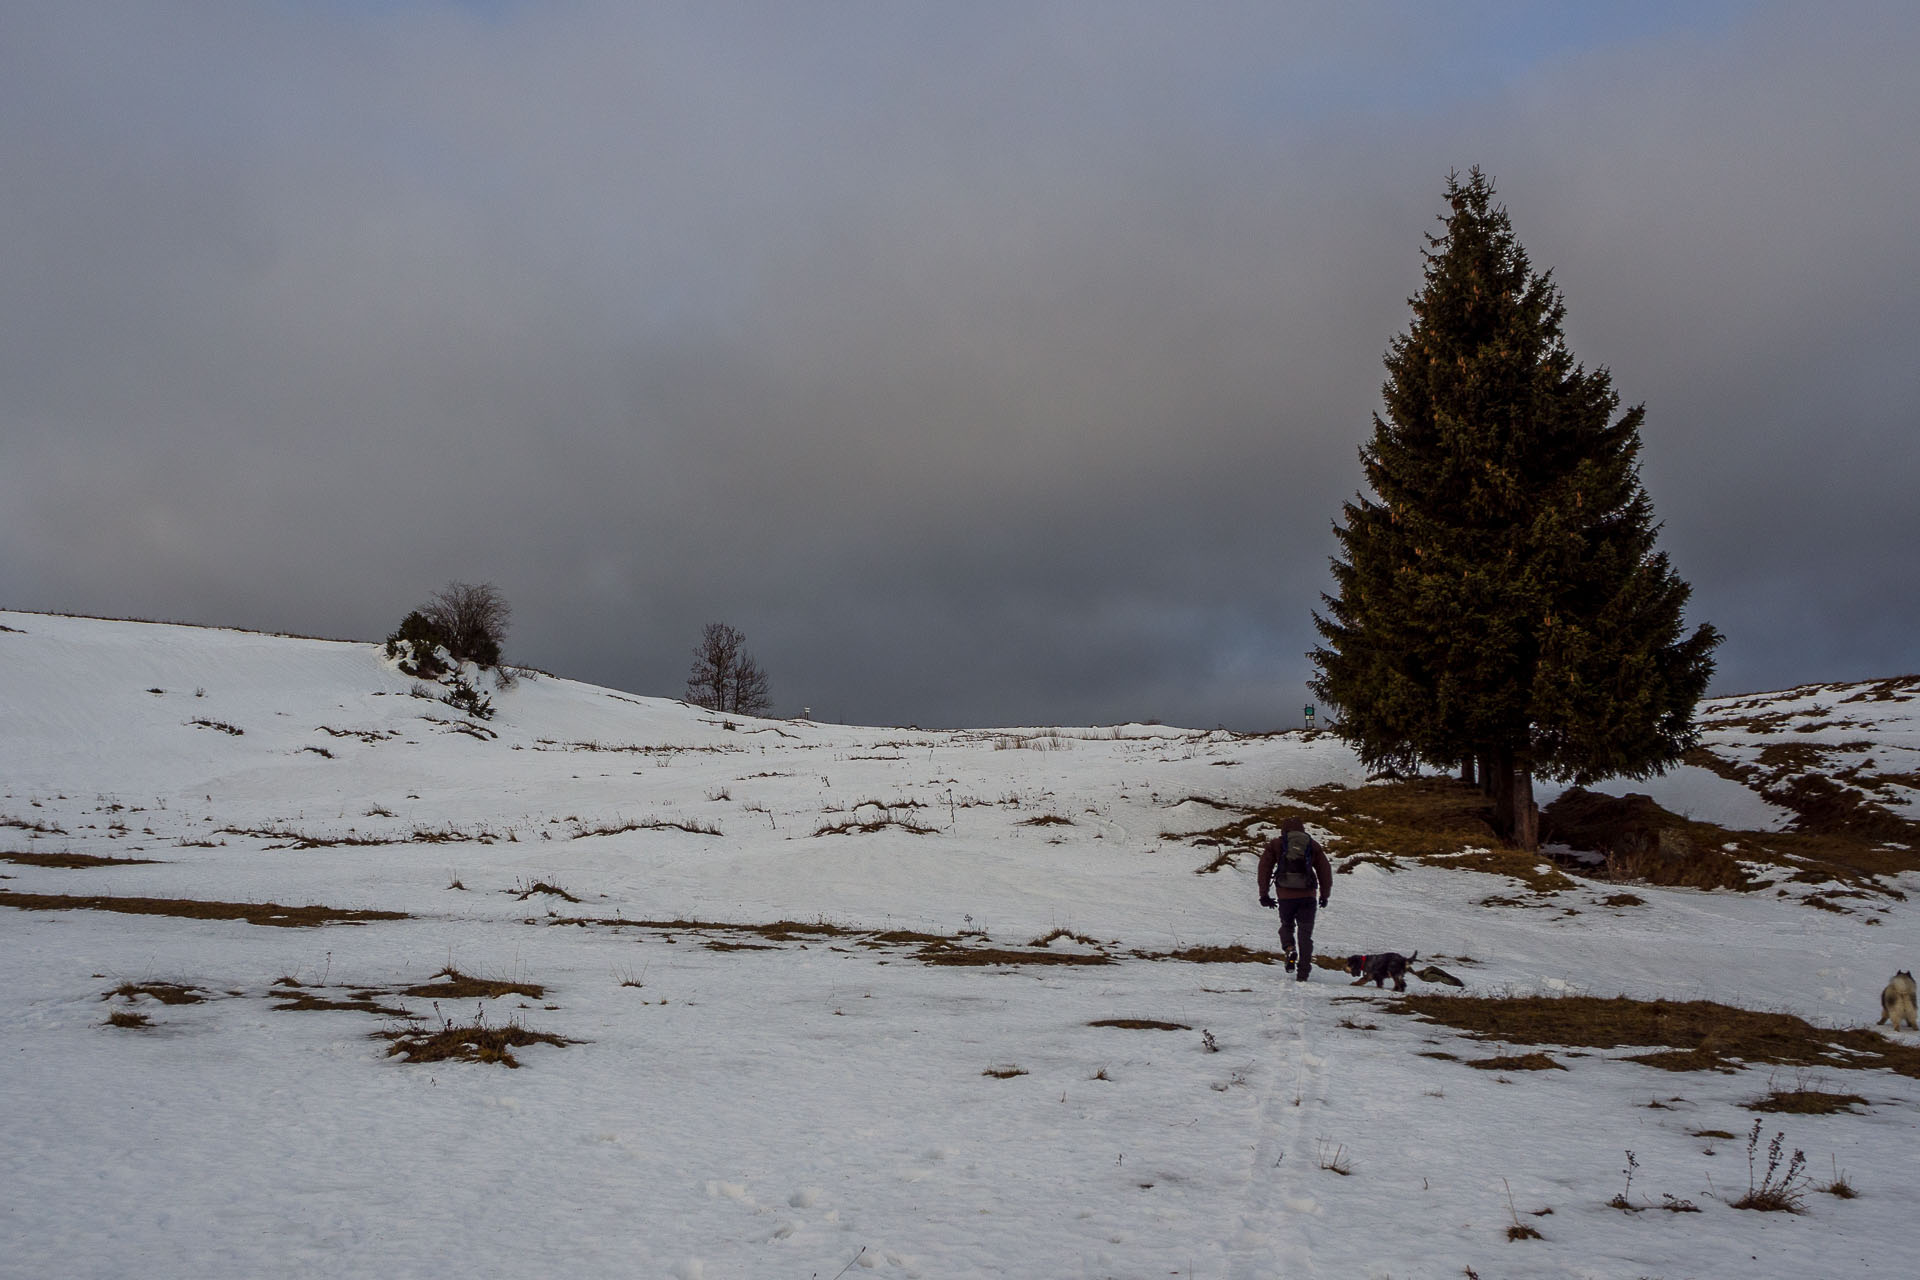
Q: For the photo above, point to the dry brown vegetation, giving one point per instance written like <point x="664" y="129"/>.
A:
<point x="72" y="860"/>
<point x="474" y="1042"/>
<point x="164" y="992"/>
<point x="1807" y="1102"/>
<point x="1427" y="820"/>
<point x="262" y="913"/>
<point x="947" y="954"/>
<point x="357" y="1002"/>
<point x="1139" y="1024"/>
<point x="452" y="984"/>
<point x="875" y="825"/>
<point x="1688" y="1035"/>
<point x="1516" y="1062"/>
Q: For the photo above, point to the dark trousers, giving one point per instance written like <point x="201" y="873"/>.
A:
<point x="1296" y="917"/>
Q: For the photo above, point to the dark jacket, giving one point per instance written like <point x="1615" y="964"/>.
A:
<point x="1322" y="872"/>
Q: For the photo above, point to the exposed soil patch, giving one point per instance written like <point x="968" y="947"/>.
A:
<point x="263" y="913"/>
<point x="72" y="860"/>
<point x="1139" y="1024"/>
<point x="1694" y="1035"/>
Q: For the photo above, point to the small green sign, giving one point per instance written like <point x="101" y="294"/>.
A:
<point x="1309" y="713"/>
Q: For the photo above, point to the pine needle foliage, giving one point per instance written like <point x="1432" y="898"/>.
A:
<point x="1499" y="596"/>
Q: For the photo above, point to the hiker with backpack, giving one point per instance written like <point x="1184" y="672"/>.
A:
<point x="1294" y="872"/>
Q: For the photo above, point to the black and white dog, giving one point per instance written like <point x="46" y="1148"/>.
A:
<point x="1377" y="969"/>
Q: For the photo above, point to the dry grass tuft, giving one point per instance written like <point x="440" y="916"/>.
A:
<point x="474" y="1042"/>
<point x="456" y="985"/>
<point x="359" y="1002"/>
<point x="1516" y="1062"/>
<point x="164" y="992"/>
<point x="544" y="887"/>
<point x="1696" y="1034"/>
<point x="1047" y="939"/>
<point x="1007" y="1072"/>
<point x="262" y="913"/>
<point x="1807" y="1102"/>
<point x="128" y="1019"/>
<point x="873" y="827"/>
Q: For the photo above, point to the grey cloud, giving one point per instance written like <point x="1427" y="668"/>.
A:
<point x="982" y="365"/>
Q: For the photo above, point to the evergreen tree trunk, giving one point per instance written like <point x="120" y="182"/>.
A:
<point x="1526" y="814"/>
<point x="1466" y="771"/>
<point x="1485" y="764"/>
<point x="1500" y="788"/>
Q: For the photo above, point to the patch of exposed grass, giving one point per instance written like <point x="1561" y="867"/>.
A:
<point x="262" y="913"/>
<point x="1048" y="939"/>
<point x="582" y="830"/>
<point x="1425" y="820"/>
<point x="543" y="887"/>
<point x="72" y="860"/>
<point x="1695" y="1034"/>
<point x="1516" y="1062"/>
<point x="455" y="985"/>
<point x="473" y="1042"/>
<point x="164" y="992"/>
<point x="359" y="1002"/>
<point x="127" y="1018"/>
<point x="1234" y="954"/>
<point x="1046" y="820"/>
<point x="231" y="730"/>
<point x="355" y="840"/>
<point x="1807" y="1102"/>
<point x="946" y="954"/>
<point x="1139" y="1024"/>
<point x="1006" y="1072"/>
<point x="873" y="827"/>
<point x="33" y="825"/>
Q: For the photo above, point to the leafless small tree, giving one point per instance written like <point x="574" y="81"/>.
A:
<point x="472" y="619"/>
<point x="725" y="677"/>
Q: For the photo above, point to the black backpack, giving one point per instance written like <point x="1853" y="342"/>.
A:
<point x="1293" y="869"/>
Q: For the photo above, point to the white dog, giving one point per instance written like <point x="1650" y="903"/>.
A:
<point x="1897" y="1002"/>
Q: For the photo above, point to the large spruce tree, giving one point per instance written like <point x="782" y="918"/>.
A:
<point x="1499" y="600"/>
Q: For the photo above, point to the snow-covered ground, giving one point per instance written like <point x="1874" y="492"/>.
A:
<point x="823" y="1103"/>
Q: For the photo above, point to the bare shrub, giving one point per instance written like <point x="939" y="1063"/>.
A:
<point x="1784" y="1193"/>
<point x="468" y="620"/>
<point x="724" y="677"/>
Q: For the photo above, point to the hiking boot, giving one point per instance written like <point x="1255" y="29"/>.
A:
<point x="1302" y="975"/>
<point x="1287" y="959"/>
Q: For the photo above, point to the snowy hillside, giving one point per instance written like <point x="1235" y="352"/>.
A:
<point x="809" y="1000"/>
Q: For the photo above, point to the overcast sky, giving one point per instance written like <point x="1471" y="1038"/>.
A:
<point x="984" y="364"/>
